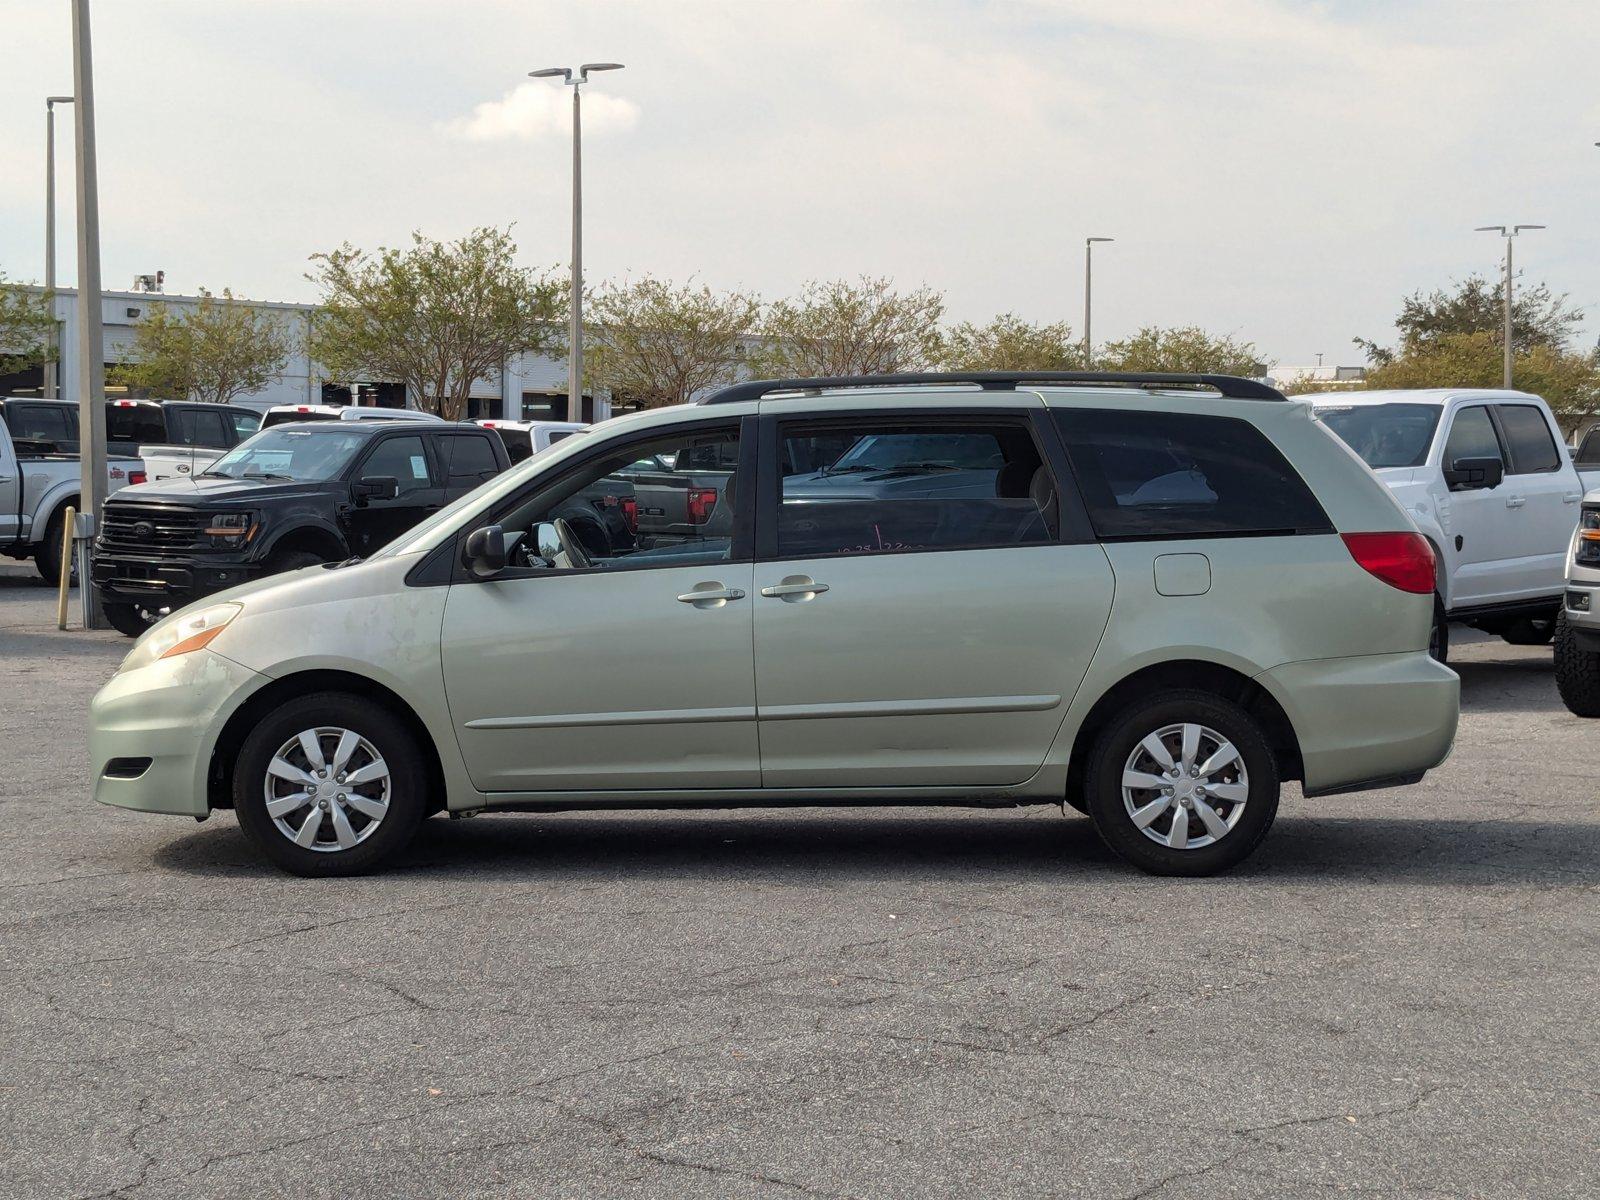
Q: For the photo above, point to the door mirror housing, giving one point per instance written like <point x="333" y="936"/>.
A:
<point x="376" y="487"/>
<point x="1471" y="474"/>
<point x="485" y="552"/>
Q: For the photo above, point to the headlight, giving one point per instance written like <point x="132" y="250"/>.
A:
<point x="230" y="529"/>
<point x="181" y="635"/>
<point x="1587" y="549"/>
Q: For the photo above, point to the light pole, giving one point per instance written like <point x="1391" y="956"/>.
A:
<point x="575" y="314"/>
<point x="91" y="335"/>
<point x="51" y="369"/>
<point x="1508" y="234"/>
<point x="1088" y="291"/>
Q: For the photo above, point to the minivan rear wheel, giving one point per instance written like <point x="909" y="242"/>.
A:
<point x="330" y="784"/>
<point x="1182" y="784"/>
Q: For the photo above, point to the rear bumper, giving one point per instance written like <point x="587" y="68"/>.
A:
<point x="165" y="582"/>
<point x="151" y="731"/>
<point x="1376" y="720"/>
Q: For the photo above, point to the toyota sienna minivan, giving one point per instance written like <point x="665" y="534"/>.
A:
<point x="1154" y="599"/>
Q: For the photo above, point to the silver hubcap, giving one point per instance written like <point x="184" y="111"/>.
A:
<point x="327" y="789"/>
<point x="1185" y="786"/>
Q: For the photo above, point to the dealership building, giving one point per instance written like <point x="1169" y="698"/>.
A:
<point x="528" y="387"/>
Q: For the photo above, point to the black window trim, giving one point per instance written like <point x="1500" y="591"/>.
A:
<point x="427" y="573"/>
<point x="1072" y="519"/>
<point x="1327" y="527"/>
<point x="1512" y="467"/>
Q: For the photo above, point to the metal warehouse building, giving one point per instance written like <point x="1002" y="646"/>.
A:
<point x="527" y="387"/>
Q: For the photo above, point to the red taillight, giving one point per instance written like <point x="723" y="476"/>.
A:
<point x="630" y="513"/>
<point x="1402" y="560"/>
<point x="137" y="477"/>
<point x="701" y="502"/>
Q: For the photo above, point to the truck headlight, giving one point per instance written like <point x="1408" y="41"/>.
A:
<point x="1587" y="548"/>
<point x="182" y="634"/>
<point x="230" y="529"/>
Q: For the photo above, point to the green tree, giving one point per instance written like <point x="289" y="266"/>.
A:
<point x="1539" y="317"/>
<point x="1569" y="383"/>
<point x="1008" y="343"/>
<point x="216" y="351"/>
<point x="1185" y="349"/>
<point x="657" y="343"/>
<point x="841" y="327"/>
<point x="437" y="317"/>
<point x="25" y="318"/>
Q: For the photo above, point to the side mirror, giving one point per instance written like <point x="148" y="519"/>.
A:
<point x="485" y="552"/>
<point x="376" y="487"/>
<point x="1472" y="474"/>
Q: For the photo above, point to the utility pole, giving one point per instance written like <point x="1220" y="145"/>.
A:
<point x="1508" y="235"/>
<point x="1088" y="294"/>
<point x="576" y="80"/>
<point x="52" y="367"/>
<point x="91" y="337"/>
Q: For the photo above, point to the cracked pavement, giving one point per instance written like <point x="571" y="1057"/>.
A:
<point x="1395" y="997"/>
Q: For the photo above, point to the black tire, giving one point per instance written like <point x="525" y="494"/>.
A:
<point x="1439" y="635"/>
<point x="1577" y="672"/>
<point x="47" y="558"/>
<point x="290" y="560"/>
<point x="1530" y="631"/>
<point x="394" y="742"/>
<point x="1078" y="802"/>
<point x="1117" y="742"/>
<point x="127" y="619"/>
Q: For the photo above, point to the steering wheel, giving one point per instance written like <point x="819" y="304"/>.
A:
<point x="571" y="546"/>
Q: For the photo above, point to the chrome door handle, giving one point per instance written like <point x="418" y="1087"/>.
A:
<point x="795" y="588"/>
<point x="1516" y="501"/>
<point x="710" y="595"/>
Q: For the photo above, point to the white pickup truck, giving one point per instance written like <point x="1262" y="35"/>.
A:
<point x="37" y="486"/>
<point x="1489" y="481"/>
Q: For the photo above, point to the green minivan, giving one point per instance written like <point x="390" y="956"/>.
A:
<point x="1150" y="598"/>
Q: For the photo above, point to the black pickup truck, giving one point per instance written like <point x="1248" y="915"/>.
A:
<point x="289" y="497"/>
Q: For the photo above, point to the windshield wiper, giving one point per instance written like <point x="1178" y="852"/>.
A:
<point x="265" y="475"/>
<point x="851" y="469"/>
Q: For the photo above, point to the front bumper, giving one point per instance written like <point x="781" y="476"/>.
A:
<point x="165" y="582"/>
<point x="1582" y="606"/>
<point x="151" y="730"/>
<point x="1378" y="717"/>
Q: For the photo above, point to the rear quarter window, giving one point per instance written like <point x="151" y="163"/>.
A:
<point x="1532" y="448"/>
<point x="1148" y="475"/>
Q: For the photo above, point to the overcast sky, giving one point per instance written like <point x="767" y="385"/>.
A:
<point x="1280" y="171"/>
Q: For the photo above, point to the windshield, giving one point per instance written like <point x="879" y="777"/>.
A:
<point x="298" y="454"/>
<point x="888" y="451"/>
<point x="1385" y="435"/>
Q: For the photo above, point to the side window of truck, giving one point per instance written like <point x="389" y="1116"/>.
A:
<point x="1472" y="435"/>
<point x="1588" y="455"/>
<point x="40" y="429"/>
<point x="1533" y="450"/>
<point x="403" y="458"/>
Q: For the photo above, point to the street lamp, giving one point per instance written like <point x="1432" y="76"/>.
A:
<point x="1508" y="234"/>
<point x="1088" y="288"/>
<point x="51" y="376"/>
<point x="575" y="315"/>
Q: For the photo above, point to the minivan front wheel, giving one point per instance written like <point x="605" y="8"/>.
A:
<point x="1183" y="784"/>
<point x="329" y="784"/>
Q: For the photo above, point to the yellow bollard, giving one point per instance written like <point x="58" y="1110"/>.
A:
<point x="67" y="527"/>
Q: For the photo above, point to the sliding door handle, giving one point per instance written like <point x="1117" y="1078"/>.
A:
<point x="795" y="588"/>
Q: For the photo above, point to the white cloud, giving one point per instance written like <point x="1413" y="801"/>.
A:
<point x="538" y="108"/>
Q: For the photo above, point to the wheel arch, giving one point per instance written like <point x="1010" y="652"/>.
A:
<point x="225" y="750"/>
<point x="315" y="539"/>
<point x="1213" y="677"/>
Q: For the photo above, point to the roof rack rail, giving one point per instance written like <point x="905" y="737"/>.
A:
<point x="1233" y="387"/>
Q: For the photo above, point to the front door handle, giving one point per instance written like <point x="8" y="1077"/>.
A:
<point x="795" y="589"/>
<point x="1516" y="501"/>
<point x="710" y="595"/>
<point x="1571" y="497"/>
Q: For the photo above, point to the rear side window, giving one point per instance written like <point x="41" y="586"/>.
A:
<point x="209" y="430"/>
<point x="469" y="459"/>
<point x="1171" y="475"/>
<point x="1471" y="436"/>
<point x="1528" y="438"/>
<point x="940" y="485"/>
<point x="1588" y="455"/>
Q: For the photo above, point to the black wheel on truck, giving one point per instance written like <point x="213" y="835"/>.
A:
<point x="1439" y="635"/>
<point x="128" y="619"/>
<point x="291" y="560"/>
<point x="1530" y="631"/>
<point x="1577" y="672"/>
<point x="47" y="558"/>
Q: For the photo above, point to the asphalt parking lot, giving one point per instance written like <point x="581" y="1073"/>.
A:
<point x="1396" y="997"/>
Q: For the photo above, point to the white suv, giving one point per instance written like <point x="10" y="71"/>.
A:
<point x="1488" y="480"/>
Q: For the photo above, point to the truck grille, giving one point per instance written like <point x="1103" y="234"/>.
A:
<point x="149" y="528"/>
